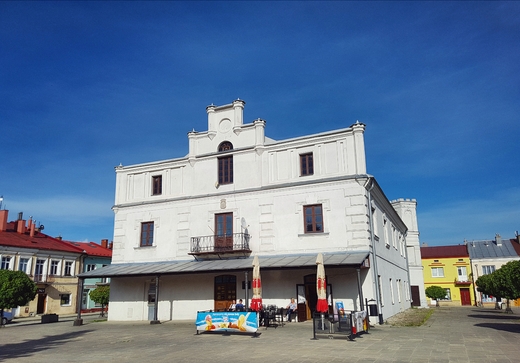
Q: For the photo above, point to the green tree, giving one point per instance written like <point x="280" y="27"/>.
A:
<point x="436" y="293"/>
<point x="506" y="281"/>
<point x="16" y="289"/>
<point x="101" y="295"/>
<point x="487" y="285"/>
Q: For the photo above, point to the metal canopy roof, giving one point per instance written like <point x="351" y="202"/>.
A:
<point x="339" y="259"/>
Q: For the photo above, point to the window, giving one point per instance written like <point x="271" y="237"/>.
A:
<point x="146" y="234"/>
<point x="157" y="185"/>
<point x="90" y="267"/>
<point x="65" y="299"/>
<point x="54" y="267"/>
<point x="392" y="292"/>
<point x="486" y="270"/>
<point x="306" y="164"/>
<point x="38" y="270"/>
<point x="437" y="271"/>
<point x="313" y="218"/>
<point x="23" y="264"/>
<point x="380" y="283"/>
<point x="448" y="295"/>
<point x="225" y="164"/>
<point x="68" y="268"/>
<point x="6" y="262"/>
<point x="462" y="273"/>
<point x="224" y="231"/>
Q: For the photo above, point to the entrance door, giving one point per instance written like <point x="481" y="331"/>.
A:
<point x="224" y="232"/>
<point x="42" y="298"/>
<point x="465" y="298"/>
<point x="151" y="300"/>
<point x="416" y="296"/>
<point x="225" y="291"/>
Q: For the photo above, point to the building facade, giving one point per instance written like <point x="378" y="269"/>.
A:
<point x="488" y="256"/>
<point x="53" y="264"/>
<point x="95" y="257"/>
<point x="186" y="230"/>
<point x="450" y="268"/>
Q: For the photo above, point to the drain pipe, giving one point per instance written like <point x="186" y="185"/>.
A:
<point x="370" y="184"/>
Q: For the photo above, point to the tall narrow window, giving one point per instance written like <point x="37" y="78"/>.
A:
<point x="156" y="184"/>
<point x="224" y="232"/>
<point x="146" y="234"/>
<point x="306" y="164"/>
<point x="68" y="268"/>
<point x="38" y="270"/>
<point x="54" y="267"/>
<point x="23" y="265"/>
<point x="313" y="218"/>
<point x="225" y="164"/>
<point x="6" y="262"/>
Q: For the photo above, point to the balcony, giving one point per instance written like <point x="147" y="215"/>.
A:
<point x="49" y="279"/>
<point x="463" y="280"/>
<point x="228" y="246"/>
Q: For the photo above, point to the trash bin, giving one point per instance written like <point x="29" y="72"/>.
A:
<point x="372" y="308"/>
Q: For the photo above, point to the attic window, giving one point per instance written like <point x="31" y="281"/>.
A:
<point x="225" y="164"/>
<point x="461" y="260"/>
<point x="435" y="260"/>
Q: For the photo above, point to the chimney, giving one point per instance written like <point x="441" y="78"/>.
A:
<point x="3" y="220"/>
<point x="498" y="240"/>
<point x="110" y="245"/>
<point x="20" y="228"/>
<point x="104" y="243"/>
<point x="31" y="233"/>
<point x="59" y="237"/>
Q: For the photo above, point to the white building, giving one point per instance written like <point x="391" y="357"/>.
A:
<point x="186" y="229"/>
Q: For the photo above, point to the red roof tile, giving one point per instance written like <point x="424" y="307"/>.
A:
<point x="444" y="251"/>
<point x="92" y="248"/>
<point x="41" y="241"/>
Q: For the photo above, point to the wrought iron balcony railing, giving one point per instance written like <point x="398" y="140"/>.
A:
<point x="236" y="242"/>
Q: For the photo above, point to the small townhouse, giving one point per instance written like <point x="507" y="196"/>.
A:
<point x="186" y="229"/>
<point x="488" y="256"/>
<point x="51" y="263"/>
<point x="450" y="268"/>
<point x="96" y="256"/>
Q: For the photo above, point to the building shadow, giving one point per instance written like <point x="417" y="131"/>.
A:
<point x="34" y="346"/>
<point x="495" y="317"/>
<point x="511" y="328"/>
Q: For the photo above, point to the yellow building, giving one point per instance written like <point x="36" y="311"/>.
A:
<point x="450" y="268"/>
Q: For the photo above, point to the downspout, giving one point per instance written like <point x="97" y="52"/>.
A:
<point x="374" y="256"/>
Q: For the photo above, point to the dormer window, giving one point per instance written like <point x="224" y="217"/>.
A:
<point x="225" y="164"/>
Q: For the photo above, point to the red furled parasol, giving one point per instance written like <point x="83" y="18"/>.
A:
<point x="256" y="302"/>
<point x="321" y="286"/>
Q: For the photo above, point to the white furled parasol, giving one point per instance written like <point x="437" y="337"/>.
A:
<point x="321" y="286"/>
<point x="256" y="302"/>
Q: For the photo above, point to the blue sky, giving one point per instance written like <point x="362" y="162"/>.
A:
<point x="85" y="86"/>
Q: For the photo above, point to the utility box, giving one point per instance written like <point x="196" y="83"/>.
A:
<point x="49" y="318"/>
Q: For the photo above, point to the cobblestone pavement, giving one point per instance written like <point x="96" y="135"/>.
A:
<point x="452" y="334"/>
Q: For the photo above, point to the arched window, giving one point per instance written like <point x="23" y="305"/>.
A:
<point x="225" y="164"/>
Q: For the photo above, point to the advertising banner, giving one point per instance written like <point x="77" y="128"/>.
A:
<point x="235" y="321"/>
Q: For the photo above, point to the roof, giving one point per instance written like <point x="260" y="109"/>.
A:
<point x="41" y="241"/>
<point x="92" y="249"/>
<point x="340" y="259"/>
<point x="444" y="251"/>
<point x="489" y="249"/>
